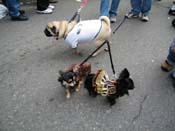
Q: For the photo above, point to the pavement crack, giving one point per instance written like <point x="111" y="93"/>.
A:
<point x="140" y="109"/>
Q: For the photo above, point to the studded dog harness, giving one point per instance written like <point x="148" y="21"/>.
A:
<point x="102" y="85"/>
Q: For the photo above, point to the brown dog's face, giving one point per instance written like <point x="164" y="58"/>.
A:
<point x="52" y="29"/>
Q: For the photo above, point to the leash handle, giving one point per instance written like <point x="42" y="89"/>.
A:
<point x="83" y="3"/>
<point x="77" y="13"/>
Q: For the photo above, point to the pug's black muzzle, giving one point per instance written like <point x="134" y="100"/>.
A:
<point x="47" y="33"/>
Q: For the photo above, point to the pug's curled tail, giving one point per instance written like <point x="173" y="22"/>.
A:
<point x="105" y="19"/>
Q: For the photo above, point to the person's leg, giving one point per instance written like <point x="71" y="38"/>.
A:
<point x="171" y="60"/>
<point x="42" y="5"/>
<point x="136" y="9"/>
<point x="4" y="3"/>
<point x="171" y="57"/>
<point x="169" y="63"/>
<point x="146" y="7"/>
<point x="14" y="10"/>
<point x="114" y="7"/>
<point x="136" y="6"/>
<point x="104" y="8"/>
<point x="13" y="7"/>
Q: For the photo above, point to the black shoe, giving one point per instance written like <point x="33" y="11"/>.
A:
<point x="19" y="18"/>
<point x="22" y="12"/>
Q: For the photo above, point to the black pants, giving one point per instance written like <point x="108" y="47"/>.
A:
<point x="42" y="4"/>
<point x="4" y="2"/>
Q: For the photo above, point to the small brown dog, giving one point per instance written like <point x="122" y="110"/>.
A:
<point x="82" y="32"/>
<point x="73" y="77"/>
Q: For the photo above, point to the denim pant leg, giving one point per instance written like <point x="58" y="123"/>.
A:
<point x="146" y="7"/>
<point x="114" y="7"/>
<point x="104" y="8"/>
<point x="171" y="54"/>
<point x="171" y="57"/>
<point x="13" y="7"/>
<point x="136" y="6"/>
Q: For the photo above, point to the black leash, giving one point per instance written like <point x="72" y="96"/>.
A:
<point x="93" y="53"/>
<point x="110" y="56"/>
<point x="120" y="24"/>
<point x="77" y="14"/>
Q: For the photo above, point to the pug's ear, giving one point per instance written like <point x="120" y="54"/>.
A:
<point x="54" y="30"/>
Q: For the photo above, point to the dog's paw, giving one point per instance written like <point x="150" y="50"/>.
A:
<point x="67" y="96"/>
<point x="77" y="89"/>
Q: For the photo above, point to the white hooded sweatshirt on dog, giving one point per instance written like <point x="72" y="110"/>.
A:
<point x="83" y="32"/>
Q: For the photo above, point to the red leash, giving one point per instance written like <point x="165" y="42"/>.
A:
<point x="77" y="13"/>
<point x="83" y="3"/>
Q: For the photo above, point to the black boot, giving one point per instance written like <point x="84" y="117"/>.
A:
<point x="19" y="18"/>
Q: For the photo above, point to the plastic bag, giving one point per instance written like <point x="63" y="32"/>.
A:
<point x="3" y="11"/>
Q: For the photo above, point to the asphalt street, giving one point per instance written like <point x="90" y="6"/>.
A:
<point x="31" y="99"/>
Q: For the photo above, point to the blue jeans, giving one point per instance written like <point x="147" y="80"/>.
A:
<point x="171" y="56"/>
<point x="13" y="7"/>
<point x="105" y="10"/>
<point x="141" y="6"/>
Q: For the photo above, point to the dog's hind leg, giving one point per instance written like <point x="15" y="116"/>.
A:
<point x="97" y="43"/>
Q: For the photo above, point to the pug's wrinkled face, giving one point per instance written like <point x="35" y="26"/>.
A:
<point x="51" y="30"/>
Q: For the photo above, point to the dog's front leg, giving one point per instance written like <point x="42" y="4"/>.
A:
<point x="78" y="86"/>
<point x="106" y="48"/>
<point x="67" y="93"/>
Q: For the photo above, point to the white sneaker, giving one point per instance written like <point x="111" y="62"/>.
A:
<point x="131" y="15"/>
<point x="145" y="18"/>
<point x="113" y="19"/>
<point x="51" y="7"/>
<point x="47" y="11"/>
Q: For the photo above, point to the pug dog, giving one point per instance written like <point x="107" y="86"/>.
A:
<point x="74" y="34"/>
